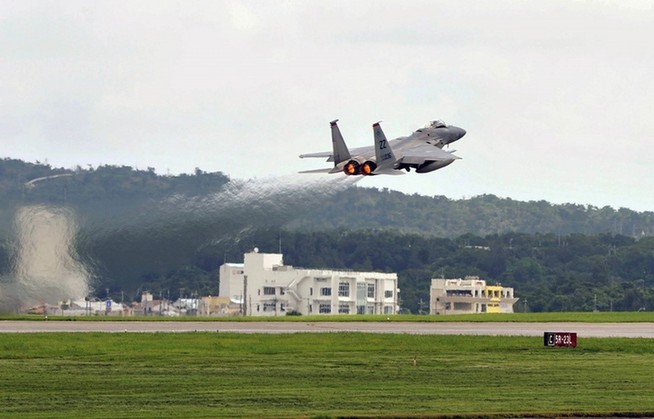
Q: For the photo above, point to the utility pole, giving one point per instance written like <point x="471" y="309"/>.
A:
<point x="525" y="306"/>
<point x="421" y="306"/>
<point x="245" y="293"/>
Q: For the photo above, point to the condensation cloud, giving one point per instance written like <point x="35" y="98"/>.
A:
<point x="60" y="252"/>
<point x="159" y="236"/>
<point x="45" y="267"/>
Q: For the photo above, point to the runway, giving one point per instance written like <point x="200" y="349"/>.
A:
<point x="625" y="330"/>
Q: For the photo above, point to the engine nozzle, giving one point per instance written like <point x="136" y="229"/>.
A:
<point x="368" y="167"/>
<point x="352" y="168"/>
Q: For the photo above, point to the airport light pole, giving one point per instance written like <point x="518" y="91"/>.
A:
<point x="525" y="306"/>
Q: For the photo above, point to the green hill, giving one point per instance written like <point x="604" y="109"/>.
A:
<point x="137" y="230"/>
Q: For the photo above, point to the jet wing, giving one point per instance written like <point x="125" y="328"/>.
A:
<point x="365" y="152"/>
<point x="422" y="153"/>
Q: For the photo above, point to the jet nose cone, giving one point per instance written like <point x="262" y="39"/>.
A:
<point x="455" y="133"/>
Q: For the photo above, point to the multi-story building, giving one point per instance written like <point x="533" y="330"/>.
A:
<point x="469" y="295"/>
<point x="263" y="286"/>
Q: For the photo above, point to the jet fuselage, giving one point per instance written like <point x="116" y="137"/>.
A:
<point x="422" y="151"/>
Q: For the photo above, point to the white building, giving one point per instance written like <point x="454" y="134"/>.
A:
<point x="264" y="286"/>
<point x="469" y="295"/>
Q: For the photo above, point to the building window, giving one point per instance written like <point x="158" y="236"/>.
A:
<point x="388" y="310"/>
<point x="371" y="290"/>
<point x="311" y="291"/>
<point x="326" y="291"/>
<point x="343" y="308"/>
<point x="281" y="291"/>
<point x="325" y="308"/>
<point x="269" y="306"/>
<point x="388" y="294"/>
<point x="268" y="290"/>
<point x="344" y="289"/>
<point x="282" y="307"/>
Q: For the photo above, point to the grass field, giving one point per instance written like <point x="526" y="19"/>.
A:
<point x="338" y="374"/>
<point x="587" y="317"/>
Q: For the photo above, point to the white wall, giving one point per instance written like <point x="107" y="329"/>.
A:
<point x="273" y="289"/>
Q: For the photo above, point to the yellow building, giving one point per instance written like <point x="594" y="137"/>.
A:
<point x="469" y="295"/>
<point x="494" y="293"/>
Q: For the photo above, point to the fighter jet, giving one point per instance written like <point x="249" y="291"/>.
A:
<point x="422" y="151"/>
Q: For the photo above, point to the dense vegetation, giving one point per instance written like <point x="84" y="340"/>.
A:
<point x="482" y="215"/>
<point x="319" y="375"/>
<point x="366" y="208"/>
<point x="549" y="272"/>
<point x="24" y="183"/>
<point x="137" y="232"/>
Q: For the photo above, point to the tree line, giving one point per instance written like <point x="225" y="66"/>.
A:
<point x="93" y="189"/>
<point x="481" y="215"/>
<point x="549" y="272"/>
<point x="557" y="257"/>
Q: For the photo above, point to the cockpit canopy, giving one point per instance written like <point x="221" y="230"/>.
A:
<point x="436" y="124"/>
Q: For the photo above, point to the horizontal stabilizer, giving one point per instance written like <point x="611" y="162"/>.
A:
<point x="327" y="154"/>
<point x="326" y="170"/>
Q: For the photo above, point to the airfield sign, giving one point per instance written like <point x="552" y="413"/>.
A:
<point x="568" y="339"/>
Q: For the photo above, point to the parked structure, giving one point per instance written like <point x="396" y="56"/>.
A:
<point x="264" y="286"/>
<point x="216" y="307"/>
<point x="82" y="307"/>
<point x="469" y="295"/>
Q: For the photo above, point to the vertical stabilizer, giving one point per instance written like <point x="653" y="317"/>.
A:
<point x="341" y="153"/>
<point x="383" y="154"/>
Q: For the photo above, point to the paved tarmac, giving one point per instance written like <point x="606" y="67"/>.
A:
<point x="628" y="330"/>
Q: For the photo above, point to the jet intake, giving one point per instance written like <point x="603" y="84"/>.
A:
<point x="368" y="167"/>
<point x="433" y="165"/>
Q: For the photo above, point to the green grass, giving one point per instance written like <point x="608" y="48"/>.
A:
<point x="586" y="317"/>
<point x="337" y="374"/>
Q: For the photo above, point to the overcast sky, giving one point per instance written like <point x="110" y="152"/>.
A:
<point x="557" y="96"/>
